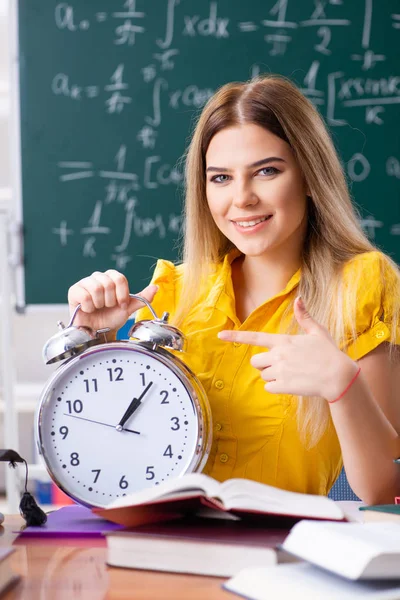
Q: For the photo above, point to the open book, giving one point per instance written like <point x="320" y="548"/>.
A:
<point x="352" y="550"/>
<point x="186" y="495"/>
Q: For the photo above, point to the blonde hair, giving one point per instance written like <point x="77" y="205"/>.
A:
<point x="334" y="234"/>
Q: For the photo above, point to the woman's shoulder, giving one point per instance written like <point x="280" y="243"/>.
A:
<point x="373" y="257"/>
<point x="167" y="273"/>
<point x="370" y="266"/>
<point x="372" y="290"/>
<point x="166" y="276"/>
<point x="167" y="267"/>
<point x="372" y="283"/>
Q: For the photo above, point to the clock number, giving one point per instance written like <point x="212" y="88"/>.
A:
<point x="176" y="421"/>
<point x="150" y="473"/>
<point x="118" y="371"/>
<point x="168" y="451"/>
<point x="143" y="379"/>
<point x="164" y="400"/>
<point x="97" y="471"/>
<point x="75" y="459"/>
<point x="75" y="406"/>
<point x="123" y="484"/>
<point x="64" y="431"/>
<point x="88" y="386"/>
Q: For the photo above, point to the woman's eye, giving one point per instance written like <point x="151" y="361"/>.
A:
<point x="268" y="171"/>
<point x="220" y="178"/>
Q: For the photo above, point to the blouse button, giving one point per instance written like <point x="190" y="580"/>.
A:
<point x="219" y="384"/>
<point x="218" y="426"/>
<point x="224" y="458"/>
<point x="379" y="334"/>
<point x="237" y="344"/>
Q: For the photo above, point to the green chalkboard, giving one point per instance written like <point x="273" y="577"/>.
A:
<point x="109" y="91"/>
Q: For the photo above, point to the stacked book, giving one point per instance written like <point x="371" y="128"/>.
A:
<point x="197" y="525"/>
<point x="271" y="542"/>
<point x="343" y="561"/>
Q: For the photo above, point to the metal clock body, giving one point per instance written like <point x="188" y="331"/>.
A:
<point x="121" y="416"/>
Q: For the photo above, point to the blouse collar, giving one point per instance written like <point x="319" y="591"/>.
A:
<point x="222" y="295"/>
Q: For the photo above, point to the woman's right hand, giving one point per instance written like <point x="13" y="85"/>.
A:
<point x="105" y="301"/>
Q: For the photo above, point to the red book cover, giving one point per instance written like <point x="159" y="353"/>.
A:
<point x="213" y="531"/>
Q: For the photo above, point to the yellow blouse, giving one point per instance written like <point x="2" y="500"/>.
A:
<point x="255" y="433"/>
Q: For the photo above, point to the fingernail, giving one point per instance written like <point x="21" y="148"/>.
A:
<point x="223" y="335"/>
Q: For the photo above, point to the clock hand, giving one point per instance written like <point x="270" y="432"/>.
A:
<point x="99" y="423"/>
<point x="135" y="403"/>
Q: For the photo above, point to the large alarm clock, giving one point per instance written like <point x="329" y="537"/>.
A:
<point x="117" y="417"/>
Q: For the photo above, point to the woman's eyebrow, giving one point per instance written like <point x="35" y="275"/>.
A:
<point x="265" y="161"/>
<point x="258" y="163"/>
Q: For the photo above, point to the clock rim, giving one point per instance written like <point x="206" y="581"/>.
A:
<point x="188" y="379"/>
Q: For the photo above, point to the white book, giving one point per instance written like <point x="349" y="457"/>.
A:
<point x="352" y="550"/>
<point x="303" y="581"/>
<point x="195" y="545"/>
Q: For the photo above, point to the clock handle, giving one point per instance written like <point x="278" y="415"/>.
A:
<point x="72" y="319"/>
<point x="147" y="303"/>
<point x="149" y="306"/>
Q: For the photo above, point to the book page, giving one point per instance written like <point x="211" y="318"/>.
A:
<point x="187" y="485"/>
<point x="250" y="495"/>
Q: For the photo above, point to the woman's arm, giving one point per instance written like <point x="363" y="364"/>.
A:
<point x="365" y="417"/>
<point x="367" y="421"/>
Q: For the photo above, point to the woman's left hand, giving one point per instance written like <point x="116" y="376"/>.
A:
<point x="303" y="365"/>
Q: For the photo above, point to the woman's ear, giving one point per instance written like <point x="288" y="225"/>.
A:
<point x="306" y="187"/>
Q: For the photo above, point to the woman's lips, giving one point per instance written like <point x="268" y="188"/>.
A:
<point x="251" y="228"/>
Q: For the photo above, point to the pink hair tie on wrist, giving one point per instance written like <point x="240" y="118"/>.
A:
<point x="347" y="388"/>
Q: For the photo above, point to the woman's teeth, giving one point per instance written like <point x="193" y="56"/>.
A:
<point x="251" y="223"/>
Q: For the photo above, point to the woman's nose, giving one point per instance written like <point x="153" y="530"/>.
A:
<point x="245" y="196"/>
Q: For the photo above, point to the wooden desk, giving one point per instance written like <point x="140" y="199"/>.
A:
<point x="62" y="569"/>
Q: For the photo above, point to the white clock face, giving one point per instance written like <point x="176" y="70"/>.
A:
<point x="116" y="420"/>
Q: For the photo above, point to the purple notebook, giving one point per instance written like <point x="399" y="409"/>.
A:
<point x="72" y="520"/>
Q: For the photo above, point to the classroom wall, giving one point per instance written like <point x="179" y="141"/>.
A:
<point x="4" y="100"/>
<point x="32" y="329"/>
<point x="29" y="331"/>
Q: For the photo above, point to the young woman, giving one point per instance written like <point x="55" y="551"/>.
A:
<point x="291" y="315"/>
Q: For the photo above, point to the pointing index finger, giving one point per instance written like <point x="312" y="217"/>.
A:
<point x="253" y="338"/>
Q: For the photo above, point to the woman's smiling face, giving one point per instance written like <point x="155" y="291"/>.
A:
<point x="255" y="190"/>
